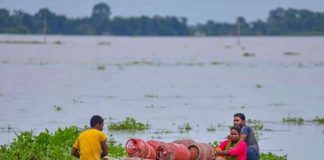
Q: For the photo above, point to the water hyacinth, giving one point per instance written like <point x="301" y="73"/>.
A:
<point x="49" y="146"/>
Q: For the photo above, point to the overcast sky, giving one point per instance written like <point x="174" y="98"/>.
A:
<point x="196" y="11"/>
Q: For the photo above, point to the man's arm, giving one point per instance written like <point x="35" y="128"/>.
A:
<point x="244" y="133"/>
<point x="75" y="152"/>
<point x="242" y="137"/>
<point x="104" y="149"/>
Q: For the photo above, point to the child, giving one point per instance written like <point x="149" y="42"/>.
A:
<point x="91" y="144"/>
<point x="232" y="149"/>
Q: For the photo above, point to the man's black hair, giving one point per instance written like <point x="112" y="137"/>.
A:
<point x="241" y="115"/>
<point x="95" y="120"/>
<point x="238" y="129"/>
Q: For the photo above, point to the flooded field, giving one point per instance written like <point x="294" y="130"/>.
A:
<point x="166" y="82"/>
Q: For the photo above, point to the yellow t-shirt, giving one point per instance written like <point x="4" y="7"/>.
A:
<point x="89" y="144"/>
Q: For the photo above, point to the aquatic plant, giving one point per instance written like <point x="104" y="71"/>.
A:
<point x="101" y="67"/>
<point x="143" y="62"/>
<point x="104" y="43"/>
<point x="57" y="108"/>
<point x="58" y="42"/>
<point x="190" y="64"/>
<point x="162" y="131"/>
<point x="217" y="63"/>
<point x="46" y="145"/>
<point x="128" y="124"/>
<point x="115" y="150"/>
<point x="185" y="127"/>
<point x="21" y="42"/>
<point x="271" y="156"/>
<point x="151" y="96"/>
<point x="211" y="128"/>
<point x="257" y="127"/>
<point x="255" y="124"/>
<point x="319" y="120"/>
<point x="247" y="54"/>
<point x="291" y="53"/>
<point x="5" y="61"/>
<point x="214" y="144"/>
<point x="258" y="85"/>
<point x="293" y="120"/>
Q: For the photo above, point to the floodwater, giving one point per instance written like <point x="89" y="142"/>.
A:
<point x="166" y="82"/>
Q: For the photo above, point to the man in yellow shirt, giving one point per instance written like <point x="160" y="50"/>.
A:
<point x="91" y="144"/>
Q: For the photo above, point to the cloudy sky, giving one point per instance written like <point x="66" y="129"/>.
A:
<point x="196" y="11"/>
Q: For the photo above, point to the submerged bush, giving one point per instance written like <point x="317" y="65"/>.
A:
<point x="128" y="124"/>
<point x="49" y="146"/>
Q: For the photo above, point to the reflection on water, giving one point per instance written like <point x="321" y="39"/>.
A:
<point x="166" y="82"/>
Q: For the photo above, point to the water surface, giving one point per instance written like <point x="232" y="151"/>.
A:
<point x="166" y="82"/>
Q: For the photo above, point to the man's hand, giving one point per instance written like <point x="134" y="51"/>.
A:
<point x="75" y="152"/>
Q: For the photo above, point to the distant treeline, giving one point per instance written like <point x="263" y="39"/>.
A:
<point x="279" y="22"/>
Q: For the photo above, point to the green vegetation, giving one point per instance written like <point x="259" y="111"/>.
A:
<point x="214" y="144"/>
<point x="217" y="63"/>
<point x="185" y="127"/>
<point x="319" y="120"/>
<point x="151" y="96"/>
<point x="27" y="42"/>
<point x="57" y="108"/>
<point x="247" y="54"/>
<point x="258" y="85"/>
<point x="57" y="145"/>
<point x="104" y="43"/>
<point x="211" y="128"/>
<point x="291" y="54"/>
<point x="58" y="42"/>
<point x="21" y="42"/>
<point x="101" y="67"/>
<point x="153" y="106"/>
<point x="279" y="22"/>
<point x="255" y="124"/>
<point x="128" y="124"/>
<point x="293" y="120"/>
<point x="115" y="150"/>
<point x="257" y="127"/>
<point x="190" y="64"/>
<point x="271" y="156"/>
<point x="143" y="62"/>
<point x="46" y="145"/>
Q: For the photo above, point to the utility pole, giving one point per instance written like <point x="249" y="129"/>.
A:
<point x="238" y="31"/>
<point x="44" y="29"/>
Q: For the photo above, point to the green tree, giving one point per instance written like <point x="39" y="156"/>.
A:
<point x="4" y="19"/>
<point x="100" y="17"/>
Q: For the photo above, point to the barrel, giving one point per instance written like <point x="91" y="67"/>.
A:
<point x="185" y="142"/>
<point x="139" y="148"/>
<point x="172" y="151"/>
<point x="201" y="151"/>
